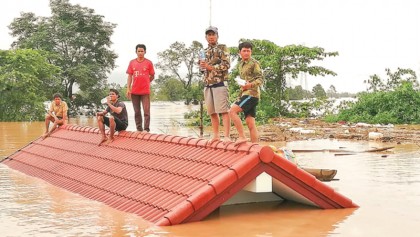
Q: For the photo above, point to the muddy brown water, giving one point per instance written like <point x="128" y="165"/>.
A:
<point x="386" y="186"/>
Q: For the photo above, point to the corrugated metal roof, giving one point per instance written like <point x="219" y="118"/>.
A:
<point x="164" y="179"/>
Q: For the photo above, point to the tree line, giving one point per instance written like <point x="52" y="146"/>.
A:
<point x="72" y="48"/>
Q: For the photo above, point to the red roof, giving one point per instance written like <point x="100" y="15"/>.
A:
<point x="164" y="179"/>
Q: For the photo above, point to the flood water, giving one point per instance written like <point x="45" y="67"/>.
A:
<point x="386" y="186"/>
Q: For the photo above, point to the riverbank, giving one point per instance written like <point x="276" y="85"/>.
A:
<point x="291" y="129"/>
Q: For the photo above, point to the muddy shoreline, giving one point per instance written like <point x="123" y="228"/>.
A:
<point x="286" y="129"/>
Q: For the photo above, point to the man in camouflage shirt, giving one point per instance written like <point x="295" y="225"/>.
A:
<point x="250" y="71"/>
<point x="216" y="95"/>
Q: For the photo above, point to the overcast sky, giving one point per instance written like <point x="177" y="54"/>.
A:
<point x="370" y="35"/>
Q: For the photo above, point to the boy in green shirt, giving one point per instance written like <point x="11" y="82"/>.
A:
<point x="250" y="71"/>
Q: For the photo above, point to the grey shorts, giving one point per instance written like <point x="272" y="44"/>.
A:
<point x="216" y="99"/>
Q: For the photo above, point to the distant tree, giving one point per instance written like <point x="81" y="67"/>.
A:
<point x="394" y="80"/>
<point x="77" y="40"/>
<point x="297" y="93"/>
<point x="26" y="81"/>
<point x="181" y="62"/>
<point x="279" y="62"/>
<point x="332" y="92"/>
<point x="397" y="106"/>
<point x="319" y="92"/>
<point x="168" y="89"/>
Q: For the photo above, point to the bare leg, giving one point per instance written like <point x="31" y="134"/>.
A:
<point x="226" y="126"/>
<point x="111" y="128"/>
<point x="101" y="126"/>
<point x="250" y="121"/>
<point x="48" y="119"/>
<point x="233" y="113"/>
<point x="54" y="126"/>
<point x="215" y="125"/>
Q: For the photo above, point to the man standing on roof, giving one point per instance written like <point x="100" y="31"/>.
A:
<point x="57" y="114"/>
<point x="250" y="71"/>
<point x="118" y="121"/>
<point x="140" y="74"/>
<point x="216" y="95"/>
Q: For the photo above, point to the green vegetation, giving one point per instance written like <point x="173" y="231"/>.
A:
<point x="179" y="65"/>
<point x="71" y="49"/>
<point x="281" y="62"/>
<point x="393" y="100"/>
<point x="74" y="40"/>
<point x="27" y="79"/>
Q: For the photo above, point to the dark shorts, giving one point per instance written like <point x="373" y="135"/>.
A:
<point x="119" y="124"/>
<point x="248" y="104"/>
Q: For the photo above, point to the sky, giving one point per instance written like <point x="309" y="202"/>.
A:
<point x="369" y="35"/>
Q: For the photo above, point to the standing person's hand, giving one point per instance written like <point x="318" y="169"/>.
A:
<point x="203" y="65"/>
<point x="246" y="86"/>
<point x="128" y="94"/>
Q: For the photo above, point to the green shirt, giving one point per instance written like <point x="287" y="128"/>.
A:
<point x="251" y="72"/>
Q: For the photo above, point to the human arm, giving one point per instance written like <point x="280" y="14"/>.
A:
<point x="103" y="113"/>
<point x="129" y="82"/>
<point x="220" y="64"/>
<point x="255" y="78"/>
<point x="117" y="108"/>
<point x="151" y="71"/>
<point x="65" y="110"/>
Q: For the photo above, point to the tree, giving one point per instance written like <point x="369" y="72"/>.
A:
<point x="25" y="83"/>
<point x="168" y="89"/>
<point x="179" y="59"/>
<point x="297" y="93"/>
<point x="397" y="106"/>
<point x="332" y="92"/>
<point x="394" y="80"/>
<point x="76" y="39"/>
<point x="319" y="92"/>
<point x="279" y="62"/>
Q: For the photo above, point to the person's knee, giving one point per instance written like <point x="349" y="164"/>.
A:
<point x="111" y="120"/>
<point x="233" y="111"/>
<point x="250" y="121"/>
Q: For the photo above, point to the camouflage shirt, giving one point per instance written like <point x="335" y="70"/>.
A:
<point x="218" y="57"/>
<point x="251" y="72"/>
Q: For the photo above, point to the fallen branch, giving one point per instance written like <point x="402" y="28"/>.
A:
<point x="345" y="151"/>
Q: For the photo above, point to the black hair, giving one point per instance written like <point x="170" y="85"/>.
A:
<point x="115" y="91"/>
<point x="141" y="46"/>
<point x="57" y="95"/>
<point x="247" y="45"/>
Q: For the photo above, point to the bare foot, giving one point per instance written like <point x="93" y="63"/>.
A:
<point x="240" y="141"/>
<point x="110" y="140"/>
<point x="45" y="135"/>
<point x="226" y="140"/>
<point x="215" y="139"/>
<point x="104" y="139"/>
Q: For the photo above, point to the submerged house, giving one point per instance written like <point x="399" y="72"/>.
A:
<point x="167" y="179"/>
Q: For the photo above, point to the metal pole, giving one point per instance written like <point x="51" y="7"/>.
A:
<point x="210" y="14"/>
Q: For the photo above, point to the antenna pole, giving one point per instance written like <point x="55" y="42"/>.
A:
<point x="210" y="14"/>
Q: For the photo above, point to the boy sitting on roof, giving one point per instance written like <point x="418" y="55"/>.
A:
<point x="57" y="114"/>
<point x="118" y="120"/>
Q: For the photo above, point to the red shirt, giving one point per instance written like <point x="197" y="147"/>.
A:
<point x="141" y="72"/>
